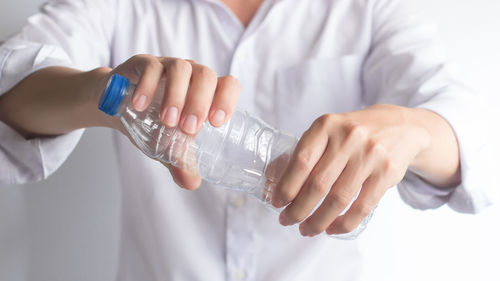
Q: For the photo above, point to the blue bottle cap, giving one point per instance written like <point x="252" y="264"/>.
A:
<point x="113" y="94"/>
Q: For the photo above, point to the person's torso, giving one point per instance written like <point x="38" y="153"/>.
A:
<point x="296" y="61"/>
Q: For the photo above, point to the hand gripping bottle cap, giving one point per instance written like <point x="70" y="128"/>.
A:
<point x="113" y="94"/>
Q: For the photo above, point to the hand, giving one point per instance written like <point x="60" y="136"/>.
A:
<point x="193" y="92"/>
<point x="339" y="154"/>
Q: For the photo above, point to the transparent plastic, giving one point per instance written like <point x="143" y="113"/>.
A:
<point x="244" y="154"/>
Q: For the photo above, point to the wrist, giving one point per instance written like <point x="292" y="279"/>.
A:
<point x="418" y="119"/>
<point x="438" y="160"/>
<point x="98" y="78"/>
<point x="95" y="81"/>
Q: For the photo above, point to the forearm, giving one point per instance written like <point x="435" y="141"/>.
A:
<point x="54" y="101"/>
<point x="439" y="162"/>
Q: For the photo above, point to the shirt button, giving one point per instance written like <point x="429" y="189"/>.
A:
<point x="238" y="201"/>
<point x="242" y="55"/>
<point x="239" y="274"/>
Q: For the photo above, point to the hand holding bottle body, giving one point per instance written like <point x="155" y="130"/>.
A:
<point x="341" y="156"/>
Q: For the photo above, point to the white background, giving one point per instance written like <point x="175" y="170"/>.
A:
<point x="66" y="228"/>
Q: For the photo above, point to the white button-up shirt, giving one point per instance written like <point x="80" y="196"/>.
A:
<point x="296" y="61"/>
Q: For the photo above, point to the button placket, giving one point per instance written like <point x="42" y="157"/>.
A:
<point x="240" y="238"/>
<point x="239" y="274"/>
<point x="239" y="201"/>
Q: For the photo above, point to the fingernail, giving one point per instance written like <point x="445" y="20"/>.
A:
<point x="279" y="203"/>
<point x="218" y="118"/>
<point x="284" y="221"/>
<point x="330" y="230"/>
<point x="303" y="230"/>
<point x="190" y="123"/>
<point x="140" y="103"/>
<point x="170" y="117"/>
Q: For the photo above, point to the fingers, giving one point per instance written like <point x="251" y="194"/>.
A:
<point x="225" y="99"/>
<point x="371" y="193"/>
<point x="152" y="71"/>
<point x="185" y="179"/>
<point x="191" y="91"/>
<point x="321" y="179"/>
<point x="199" y="98"/>
<point x="309" y="150"/>
<point x="361" y="169"/>
<point x="337" y="200"/>
<point x="337" y="156"/>
<point x="177" y="77"/>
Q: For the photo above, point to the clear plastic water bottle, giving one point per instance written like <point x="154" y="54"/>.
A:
<point x="244" y="154"/>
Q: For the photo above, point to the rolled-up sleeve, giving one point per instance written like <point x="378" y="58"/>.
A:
<point x="408" y="67"/>
<point x="76" y="34"/>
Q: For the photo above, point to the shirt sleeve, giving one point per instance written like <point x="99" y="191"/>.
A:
<point x="407" y="66"/>
<point x="76" y="34"/>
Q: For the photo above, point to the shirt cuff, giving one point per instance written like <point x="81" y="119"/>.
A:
<point x="23" y="160"/>
<point x="468" y="118"/>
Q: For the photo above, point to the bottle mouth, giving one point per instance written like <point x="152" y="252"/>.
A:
<point x="113" y="94"/>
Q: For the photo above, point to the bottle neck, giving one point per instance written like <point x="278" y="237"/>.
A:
<point x="126" y="101"/>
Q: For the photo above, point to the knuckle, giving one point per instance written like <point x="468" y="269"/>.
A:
<point x="340" y="199"/>
<point x="319" y="184"/>
<point x="389" y="166"/>
<point x="155" y="64"/>
<point x="305" y="159"/>
<point x="357" y="131"/>
<point x="149" y="59"/>
<point x="286" y="195"/>
<point x="141" y="57"/>
<point x="364" y="209"/>
<point x="206" y="73"/>
<point x="376" y="148"/>
<point x="232" y="81"/>
<point x="324" y="120"/>
<point x="181" y="65"/>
